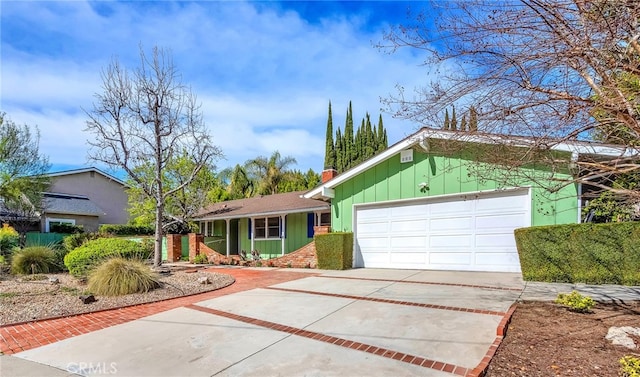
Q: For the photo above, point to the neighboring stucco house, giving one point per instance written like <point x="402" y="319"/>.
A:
<point x="87" y="197"/>
<point x="416" y="207"/>
<point x="274" y="225"/>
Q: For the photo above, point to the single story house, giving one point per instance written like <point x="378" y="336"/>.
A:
<point x="87" y="197"/>
<point x="274" y="225"/>
<point x="416" y="206"/>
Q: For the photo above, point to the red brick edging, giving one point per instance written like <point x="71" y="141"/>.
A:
<point x="400" y="356"/>
<point x="389" y="301"/>
<point x="501" y="332"/>
<point x="429" y="283"/>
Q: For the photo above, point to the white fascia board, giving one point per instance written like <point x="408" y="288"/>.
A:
<point x="261" y="214"/>
<point x="85" y="170"/>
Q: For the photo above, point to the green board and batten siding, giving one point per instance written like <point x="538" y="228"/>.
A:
<point x="296" y="237"/>
<point x="392" y="180"/>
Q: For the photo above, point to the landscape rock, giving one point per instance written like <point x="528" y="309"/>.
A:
<point x="620" y="336"/>
<point x="87" y="299"/>
<point x="204" y="280"/>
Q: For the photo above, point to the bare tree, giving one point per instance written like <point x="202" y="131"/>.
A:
<point x="149" y="115"/>
<point x="22" y="175"/>
<point x="552" y="71"/>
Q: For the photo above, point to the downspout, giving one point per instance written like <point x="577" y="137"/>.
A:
<point x="228" y="223"/>
<point x="253" y="234"/>
<point x="284" y="224"/>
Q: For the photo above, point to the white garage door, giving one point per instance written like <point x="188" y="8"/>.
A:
<point x="471" y="232"/>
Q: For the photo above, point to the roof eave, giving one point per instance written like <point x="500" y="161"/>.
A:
<point x="426" y="133"/>
<point x="257" y="214"/>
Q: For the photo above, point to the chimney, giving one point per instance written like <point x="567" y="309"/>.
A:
<point x="328" y="174"/>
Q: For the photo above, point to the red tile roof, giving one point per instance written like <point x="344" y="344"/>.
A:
<point x="276" y="204"/>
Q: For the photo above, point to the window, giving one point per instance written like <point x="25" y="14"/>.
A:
<point x="268" y="227"/>
<point x="273" y="224"/>
<point x="325" y="218"/>
<point x="51" y="221"/>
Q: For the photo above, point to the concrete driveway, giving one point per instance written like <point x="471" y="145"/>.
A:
<point x="363" y="322"/>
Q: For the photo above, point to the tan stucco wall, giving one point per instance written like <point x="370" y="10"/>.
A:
<point x="108" y="194"/>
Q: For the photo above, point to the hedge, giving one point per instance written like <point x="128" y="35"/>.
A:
<point x="334" y="251"/>
<point x="581" y="253"/>
<point x="126" y="230"/>
<point x="84" y="258"/>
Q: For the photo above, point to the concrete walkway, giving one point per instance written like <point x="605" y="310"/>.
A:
<point x="298" y="322"/>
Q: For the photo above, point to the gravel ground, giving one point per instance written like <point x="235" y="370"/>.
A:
<point x="22" y="300"/>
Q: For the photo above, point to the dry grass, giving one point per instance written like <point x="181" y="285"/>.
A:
<point x="119" y="276"/>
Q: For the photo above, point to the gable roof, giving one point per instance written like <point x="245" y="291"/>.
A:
<point x="419" y="137"/>
<point x="276" y="204"/>
<point x="85" y="170"/>
<point x="70" y="205"/>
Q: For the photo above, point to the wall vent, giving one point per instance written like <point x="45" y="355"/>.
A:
<point x="406" y="156"/>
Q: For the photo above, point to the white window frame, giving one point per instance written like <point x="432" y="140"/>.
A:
<point x="319" y="218"/>
<point x="50" y="220"/>
<point x="266" y="228"/>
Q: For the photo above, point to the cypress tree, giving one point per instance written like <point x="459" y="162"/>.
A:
<point x="447" y="123"/>
<point x="339" y="148"/>
<point x="454" y="121"/>
<point x="330" y="152"/>
<point x="348" y="139"/>
<point x="357" y="147"/>
<point x="381" y="141"/>
<point x="369" y="139"/>
<point x="473" y="119"/>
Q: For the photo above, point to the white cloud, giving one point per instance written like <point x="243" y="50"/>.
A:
<point x="264" y="76"/>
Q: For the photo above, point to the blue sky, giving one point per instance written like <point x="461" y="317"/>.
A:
<point x="263" y="71"/>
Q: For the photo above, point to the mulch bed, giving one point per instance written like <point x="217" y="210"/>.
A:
<point x="545" y="339"/>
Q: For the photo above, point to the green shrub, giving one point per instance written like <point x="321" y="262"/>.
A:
<point x="334" y="251"/>
<point x="630" y="366"/>
<point x="73" y="241"/>
<point x="4" y="264"/>
<point x="200" y="259"/>
<point x="90" y="254"/>
<point x="581" y="253"/>
<point x="575" y="302"/>
<point x="34" y="260"/>
<point x="126" y="230"/>
<point x="119" y="276"/>
<point x="66" y="228"/>
<point x="9" y="240"/>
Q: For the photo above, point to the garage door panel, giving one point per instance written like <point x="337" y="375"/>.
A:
<point x="451" y="241"/>
<point x="505" y="240"/>
<point x="450" y="258"/>
<point x="373" y="243"/>
<point x="502" y="203"/>
<point x="450" y="224"/>
<point x="412" y="226"/>
<point x="408" y="242"/>
<point x="500" y="259"/>
<point x="503" y="221"/>
<point x="408" y="211"/>
<point x="374" y="228"/>
<point x="378" y="259"/>
<point x="467" y="232"/>
<point x="415" y="257"/>
<point x="450" y="208"/>
<point x="373" y="214"/>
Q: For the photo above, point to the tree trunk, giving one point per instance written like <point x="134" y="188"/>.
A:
<point x="157" y="250"/>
